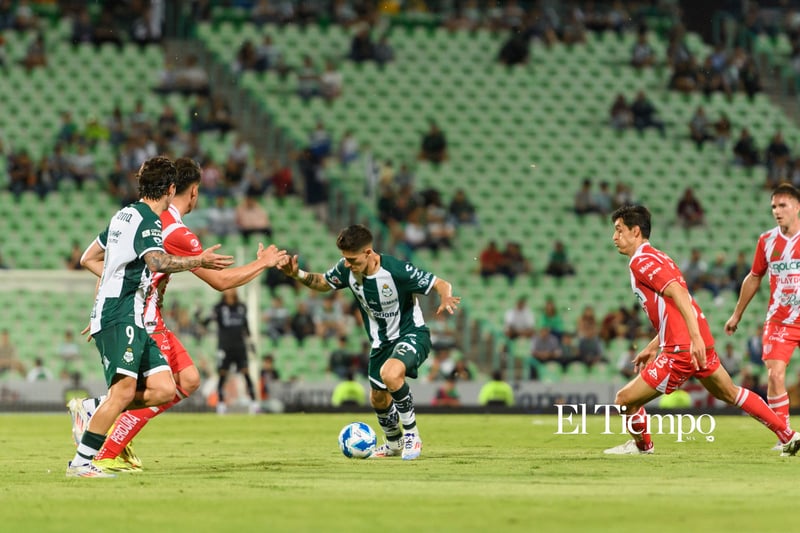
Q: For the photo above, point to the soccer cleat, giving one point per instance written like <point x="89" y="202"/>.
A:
<point x="117" y="464"/>
<point x="89" y="470"/>
<point x="412" y="446"/>
<point x="127" y="455"/>
<point x="388" y="449"/>
<point x="80" y="419"/>
<point x="791" y="447"/>
<point x="778" y="447"/>
<point x="629" y="448"/>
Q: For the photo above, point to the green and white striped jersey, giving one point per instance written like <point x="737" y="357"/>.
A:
<point x="132" y="232"/>
<point x="387" y="298"/>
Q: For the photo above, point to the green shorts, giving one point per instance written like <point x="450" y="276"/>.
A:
<point x="412" y="349"/>
<point x="128" y="350"/>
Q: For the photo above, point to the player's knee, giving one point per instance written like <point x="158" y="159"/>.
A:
<point x="188" y="380"/>
<point x="163" y="392"/>
<point x="776" y="378"/>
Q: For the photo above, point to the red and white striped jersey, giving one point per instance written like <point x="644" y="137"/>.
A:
<point x="651" y="272"/>
<point x="178" y="240"/>
<point x="780" y="256"/>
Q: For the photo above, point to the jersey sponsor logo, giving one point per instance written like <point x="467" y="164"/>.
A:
<point x="653" y="273"/>
<point x="384" y="314"/>
<point x="647" y="266"/>
<point x="386" y="291"/>
<point x="125" y="217"/>
<point x="789" y="299"/>
<point x="425" y="280"/>
<point x="779" y="335"/>
<point x="778" y="267"/>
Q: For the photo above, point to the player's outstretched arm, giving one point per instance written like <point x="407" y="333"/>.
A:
<point x="749" y="288"/>
<point x="231" y="278"/>
<point x="314" y="281"/>
<point x="158" y="261"/>
<point x="447" y="302"/>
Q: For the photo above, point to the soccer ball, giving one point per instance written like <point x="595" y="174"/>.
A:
<point x="357" y="440"/>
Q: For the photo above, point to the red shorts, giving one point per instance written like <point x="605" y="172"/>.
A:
<point x="173" y="350"/>
<point x="779" y="341"/>
<point x="670" y="370"/>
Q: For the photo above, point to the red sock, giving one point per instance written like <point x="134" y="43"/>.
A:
<point x="754" y="406"/>
<point x="638" y="423"/>
<point x="128" y="425"/>
<point x="780" y="404"/>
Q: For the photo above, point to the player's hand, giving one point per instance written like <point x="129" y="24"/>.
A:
<point x="449" y="304"/>
<point x="290" y="266"/>
<point x="210" y="259"/>
<point x="270" y="255"/>
<point x="642" y="358"/>
<point x="85" y="330"/>
<point x="731" y="325"/>
<point x="698" y="350"/>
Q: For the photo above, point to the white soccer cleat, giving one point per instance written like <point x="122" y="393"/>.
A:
<point x="629" y="448"/>
<point x="80" y="419"/>
<point x="89" y="470"/>
<point x="412" y="446"/>
<point x="791" y="447"/>
<point x="778" y="447"/>
<point x="388" y="449"/>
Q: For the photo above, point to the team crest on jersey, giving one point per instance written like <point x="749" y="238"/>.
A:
<point x="767" y="349"/>
<point x="336" y="280"/>
<point x="386" y="291"/>
<point x="128" y="357"/>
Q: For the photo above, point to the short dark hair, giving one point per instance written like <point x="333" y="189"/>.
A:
<point x="786" y="189"/>
<point x="155" y="177"/>
<point x="634" y="215"/>
<point x="188" y="174"/>
<point x="353" y="238"/>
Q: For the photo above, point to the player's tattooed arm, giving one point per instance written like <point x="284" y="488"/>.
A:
<point x="159" y="261"/>
<point x="314" y="281"/>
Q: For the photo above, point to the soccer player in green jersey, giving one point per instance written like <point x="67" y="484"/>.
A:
<point x="134" y="251"/>
<point x="386" y="289"/>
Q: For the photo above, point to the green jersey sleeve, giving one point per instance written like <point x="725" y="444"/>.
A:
<point x="413" y="279"/>
<point x="148" y="236"/>
<point x="338" y="275"/>
<point x="102" y="239"/>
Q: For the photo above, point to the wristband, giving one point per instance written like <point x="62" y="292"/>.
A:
<point x="301" y="274"/>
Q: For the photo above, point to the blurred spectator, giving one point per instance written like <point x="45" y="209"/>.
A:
<point x="497" y="392"/>
<point x="267" y="54"/>
<point x="329" y="319"/>
<point x="717" y="279"/>
<point x="590" y="347"/>
<point x="340" y="360"/>
<point x="491" y="261"/>
<point x="777" y="157"/>
<point x="443" y="336"/>
<point x="267" y="376"/>
<point x="722" y="131"/>
<point x="415" y="235"/>
<point x="625" y="361"/>
<point x="221" y="218"/>
<point x="21" y="172"/>
<point x="602" y="199"/>
<point x="281" y="179"/>
<point x="461" y="209"/>
<point x="276" y="319"/>
<point x="237" y="161"/>
<point x="587" y="322"/>
<point x="36" y="54"/>
<point x="68" y="351"/>
<point x="545" y="347"/>
<point x="302" y="322"/>
<point x="81" y="166"/>
<point x="3" y="54"/>
<point x="447" y="394"/>
<point x="755" y="347"/>
<point x="384" y="53"/>
<point x="558" y="265"/>
<point x="584" y="199"/>
<point x="23" y="16"/>
<point x="252" y="218"/>
<point x="689" y="210"/>
<point x="246" y="57"/>
<point x="569" y="350"/>
<point x="519" y="321"/>
<point x="9" y="360"/>
<point x="348" y="393"/>
<point x="644" y="114"/>
<point x="621" y="115"/>
<point x="622" y="195"/>
<point x="39" y="372"/>
<point x="441" y="365"/>
<point x="642" y="54"/>
<point x="73" y="260"/>
<point x="695" y="271"/>
<point x="348" y="148"/>
<point x="461" y="370"/>
<point x="434" y="145"/>
<point x="361" y="47"/>
<point x="514" y="261"/>
<point x="550" y="318"/>
<point x="220" y="116"/>
<point x="745" y="151"/>
<point x="330" y="82"/>
<point x="515" y="50"/>
<point x="730" y="359"/>
<point x="191" y="78"/>
<point x="441" y="230"/>
<point x="737" y="271"/>
<point x="320" y="143"/>
<point x="699" y="128"/>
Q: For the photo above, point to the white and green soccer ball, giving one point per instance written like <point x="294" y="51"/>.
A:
<point x="357" y="440"/>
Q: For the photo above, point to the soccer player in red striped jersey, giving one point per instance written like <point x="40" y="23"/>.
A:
<point x="684" y="346"/>
<point x="777" y="252"/>
<point x="178" y="240"/>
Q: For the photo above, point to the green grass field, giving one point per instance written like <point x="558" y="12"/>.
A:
<point x="477" y="473"/>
